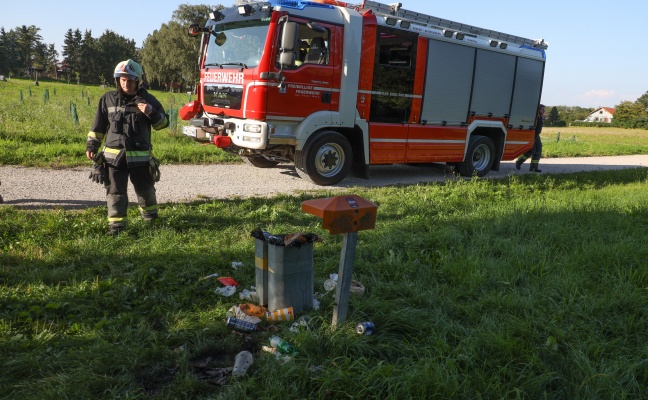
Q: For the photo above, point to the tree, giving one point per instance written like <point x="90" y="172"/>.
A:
<point x="8" y="52"/>
<point x="569" y="114"/>
<point x="628" y="110"/>
<point x="554" y="117"/>
<point x="169" y="55"/>
<point x="93" y="60"/>
<point x="72" y="54"/>
<point x="643" y="100"/>
<point x="28" y="42"/>
<point x="109" y="50"/>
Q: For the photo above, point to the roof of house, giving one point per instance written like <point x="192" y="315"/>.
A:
<point x="608" y="109"/>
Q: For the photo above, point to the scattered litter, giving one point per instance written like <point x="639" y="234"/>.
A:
<point x="329" y="285"/>
<point x="228" y="281"/>
<point x="214" y="275"/>
<point x="276" y="353"/>
<point x="357" y="288"/>
<point x="253" y="310"/>
<point x="248" y="295"/>
<point x="226" y="290"/>
<point x="284" y="314"/>
<point x="282" y="346"/>
<point x="241" y="325"/>
<point x="289" y="240"/>
<point x="237" y="312"/>
<point x="365" y="328"/>
<point x="236" y="264"/>
<point x="303" y="323"/>
<point x="316" y="304"/>
<point x="334" y="277"/>
<point x="242" y="362"/>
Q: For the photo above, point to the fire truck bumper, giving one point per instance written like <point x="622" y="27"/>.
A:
<point x="248" y="135"/>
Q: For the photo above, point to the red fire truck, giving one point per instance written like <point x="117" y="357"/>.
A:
<point x="336" y="88"/>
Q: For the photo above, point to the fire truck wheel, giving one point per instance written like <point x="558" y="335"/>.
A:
<point x="325" y="160"/>
<point x="479" y="157"/>
<point x="259" y="162"/>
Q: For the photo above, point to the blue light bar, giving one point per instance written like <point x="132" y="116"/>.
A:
<point x="299" y="5"/>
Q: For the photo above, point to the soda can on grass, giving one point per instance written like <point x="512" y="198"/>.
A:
<point x="241" y="325"/>
<point x="365" y="328"/>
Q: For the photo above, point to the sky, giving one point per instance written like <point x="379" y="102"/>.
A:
<point x="596" y="55"/>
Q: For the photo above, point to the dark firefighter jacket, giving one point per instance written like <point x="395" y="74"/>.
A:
<point x="126" y="131"/>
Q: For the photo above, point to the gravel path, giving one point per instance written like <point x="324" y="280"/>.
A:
<point x="35" y="188"/>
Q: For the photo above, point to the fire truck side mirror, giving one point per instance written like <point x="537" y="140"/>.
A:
<point x="194" y="30"/>
<point x="289" y="37"/>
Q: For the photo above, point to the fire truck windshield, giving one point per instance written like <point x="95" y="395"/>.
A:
<point x="237" y="44"/>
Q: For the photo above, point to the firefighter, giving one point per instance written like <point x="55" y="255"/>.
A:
<point x="124" y="119"/>
<point x="536" y="151"/>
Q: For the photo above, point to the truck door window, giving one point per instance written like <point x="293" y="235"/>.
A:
<point x="393" y="75"/>
<point x="313" y="47"/>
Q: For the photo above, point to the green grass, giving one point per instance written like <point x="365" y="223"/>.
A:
<point x="530" y="287"/>
<point x="588" y="142"/>
<point x="42" y="132"/>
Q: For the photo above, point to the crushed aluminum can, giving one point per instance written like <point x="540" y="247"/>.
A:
<point x="365" y="328"/>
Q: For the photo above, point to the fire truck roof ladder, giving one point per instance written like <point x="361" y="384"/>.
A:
<point x="395" y="10"/>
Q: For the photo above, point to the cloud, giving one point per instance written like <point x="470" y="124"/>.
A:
<point x="599" y="94"/>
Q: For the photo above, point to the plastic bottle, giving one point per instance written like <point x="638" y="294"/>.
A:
<point x="281" y="345"/>
<point x="242" y="362"/>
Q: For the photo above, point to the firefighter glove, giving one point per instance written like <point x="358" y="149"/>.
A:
<point x="154" y="168"/>
<point x="99" y="174"/>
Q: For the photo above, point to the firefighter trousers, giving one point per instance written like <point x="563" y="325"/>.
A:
<point x="535" y="154"/>
<point x="117" y="194"/>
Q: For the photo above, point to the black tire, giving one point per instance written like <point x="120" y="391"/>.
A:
<point x="479" y="157"/>
<point x="325" y="160"/>
<point x="259" y="162"/>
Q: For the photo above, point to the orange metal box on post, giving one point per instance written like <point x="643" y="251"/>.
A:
<point x="346" y="215"/>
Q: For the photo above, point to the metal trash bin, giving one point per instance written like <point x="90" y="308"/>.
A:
<point x="290" y="277"/>
<point x="261" y="264"/>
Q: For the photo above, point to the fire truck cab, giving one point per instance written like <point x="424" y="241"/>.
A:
<point x="335" y="88"/>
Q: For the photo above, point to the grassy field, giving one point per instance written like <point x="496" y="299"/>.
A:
<point x="529" y="287"/>
<point x="38" y="128"/>
<point x="588" y="142"/>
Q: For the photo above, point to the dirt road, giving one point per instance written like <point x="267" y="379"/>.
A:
<point x="34" y="188"/>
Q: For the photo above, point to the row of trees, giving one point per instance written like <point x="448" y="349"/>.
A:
<point x="169" y="56"/>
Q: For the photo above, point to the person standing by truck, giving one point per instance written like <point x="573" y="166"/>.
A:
<point x="536" y="151"/>
<point x="124" y="119"/>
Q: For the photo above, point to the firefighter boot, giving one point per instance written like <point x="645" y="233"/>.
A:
<point x="519" y="162"/>
<point x="534" y="166"/>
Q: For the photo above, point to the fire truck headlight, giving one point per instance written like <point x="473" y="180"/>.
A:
<point x="252" y="128"/>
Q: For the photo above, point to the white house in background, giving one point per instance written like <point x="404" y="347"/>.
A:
<point x="601" y="114"/>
